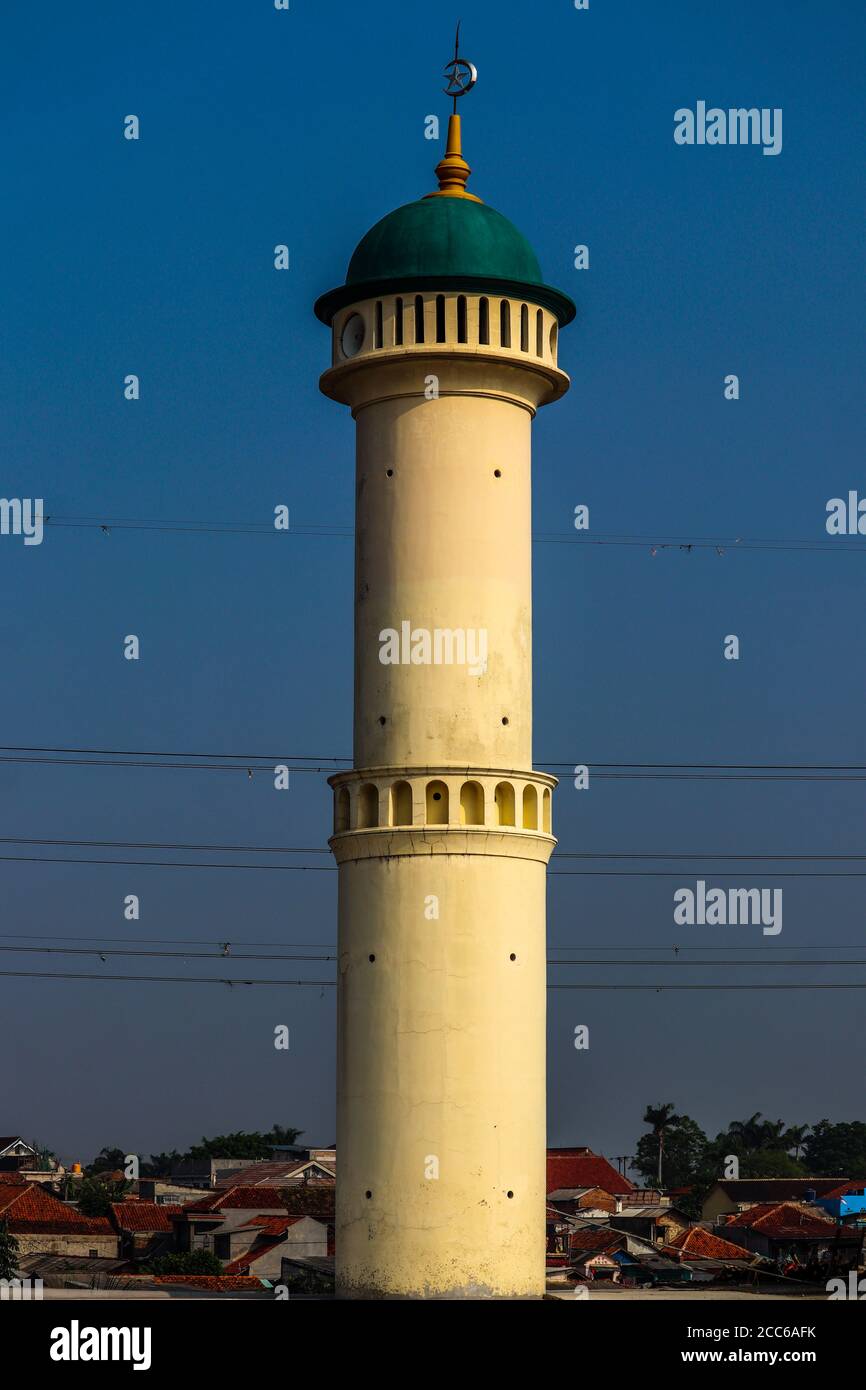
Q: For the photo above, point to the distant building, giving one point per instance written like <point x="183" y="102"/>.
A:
<point x="588" y="1201"/>
<point x="15" y="1154"/>
<point x="732" y="1195"/>
<point x="275" y="1238"/>
<point x="847" y="1202"/>
<point x="658" y="1222"/>
<point x="793" y="1234"/>
<point x="697" y="1243"/>
<point x="42" y="1224"/>
<point x="273" y="1173"/>
<point x="145" y="1229"/>
<point x="236" y="1223"/>
<point x="581" y="1168"/>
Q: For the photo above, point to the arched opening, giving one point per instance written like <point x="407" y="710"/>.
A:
<point x="462" y="336"/>
<point x="440" y="318"/>
<point x="545" y="811"/>
<point x="419" y="318"/>
<point x="379" y="330"/>
<point x="437" y="803"/>
<point x="398" y="323"/>
<point x="539" y="334"/>
<point x="368" y="807"/>
<point x="484" y="321"/>
<point x="530" y="808"/>
<point x="401" y="804"/>
<point x="504" y="797"/>
<point x="471" y="804"/>
<point x="524" y="328"/>
<point x="505" y="324"/>
<point x="553" y="336"/>
<point x="341" y="811"/>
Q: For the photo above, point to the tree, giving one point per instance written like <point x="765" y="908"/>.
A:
<point x="187" y="1262"/>
<point x="95" y="1195"/>
<point x="746" y="1134"/>
<point x="795" y="1137"/>
<point x="661" y="1118"/>
<point x="284" y="1136"/>
<point x="771" y="1163"/>
<point x="107" y="1161"/>
<point x="8" y="1253"/>
<point x="241" y="1144"/>
<point x="46" y="1159"/>
<point x="161" y="1164"/>
<point x="684" y="1148"/>
<point x="836" y="1150"/>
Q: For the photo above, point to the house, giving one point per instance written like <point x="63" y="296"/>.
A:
<point x="591" y="1254"/>
<point x="588" y="1201"/>
<point x="145" y="1229"/>
<point x="710" y="1256"/>
<point x="655" y="1223"/>
<point x="794" y="1235"/>
<point x="847" y="1202"/>
<point x="275" y="1238"/>
<point x="581" y="1168"/>
<point x="275" y="1173"/>
<point x="228" y="1222"/>
<point x="737" y="1194"/>
<point x="163" y="1191"/>
<point x="205" y="1172"/>
<point x="42" y="1224"/>
<point x="16" y="1154"/>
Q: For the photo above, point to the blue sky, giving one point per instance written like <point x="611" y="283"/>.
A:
<point x="155" y="257"/>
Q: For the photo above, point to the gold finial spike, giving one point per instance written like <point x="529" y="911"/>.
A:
<point x="453" y="171"/>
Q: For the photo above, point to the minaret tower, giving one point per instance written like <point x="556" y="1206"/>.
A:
<point x="444" y="345"/>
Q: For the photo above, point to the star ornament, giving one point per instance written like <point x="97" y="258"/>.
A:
<point x="462" y="76"/>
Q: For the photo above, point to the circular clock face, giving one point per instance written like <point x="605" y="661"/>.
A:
<point x="352" y="336"/>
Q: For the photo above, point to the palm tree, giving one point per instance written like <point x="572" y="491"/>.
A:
<point x="771" y="1134"/>
<point x="795" y="1137"/>
<point x="661" y="1118"/>
<point x="747" y="1132"/>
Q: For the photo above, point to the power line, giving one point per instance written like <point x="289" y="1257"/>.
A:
<point x="156" y="844"/>
<point x="726" y="964"/>
<point x="251" y="763"/>
<point x="800" y="857"/>
<point x="179" y="955"/>
<point x="331" y="946"/>
<point x="156" y="979"/>
<point x="722" y="545"/>
<point x="161" y="753"/>
<point x="332" y="869"/>
<point x="322" y="984"/>
<point x="176" y="864"/>
<point x="661" y="988"/>
<point x="104" y="952"/>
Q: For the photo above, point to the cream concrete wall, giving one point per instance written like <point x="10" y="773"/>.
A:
<point x="441" y="1035"/>
<point x="442" y="542"/>
<point x="441" y="1057"/>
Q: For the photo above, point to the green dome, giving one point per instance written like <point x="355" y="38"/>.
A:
<point x="444" y="243"/>
<point x="444" y="237"/>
